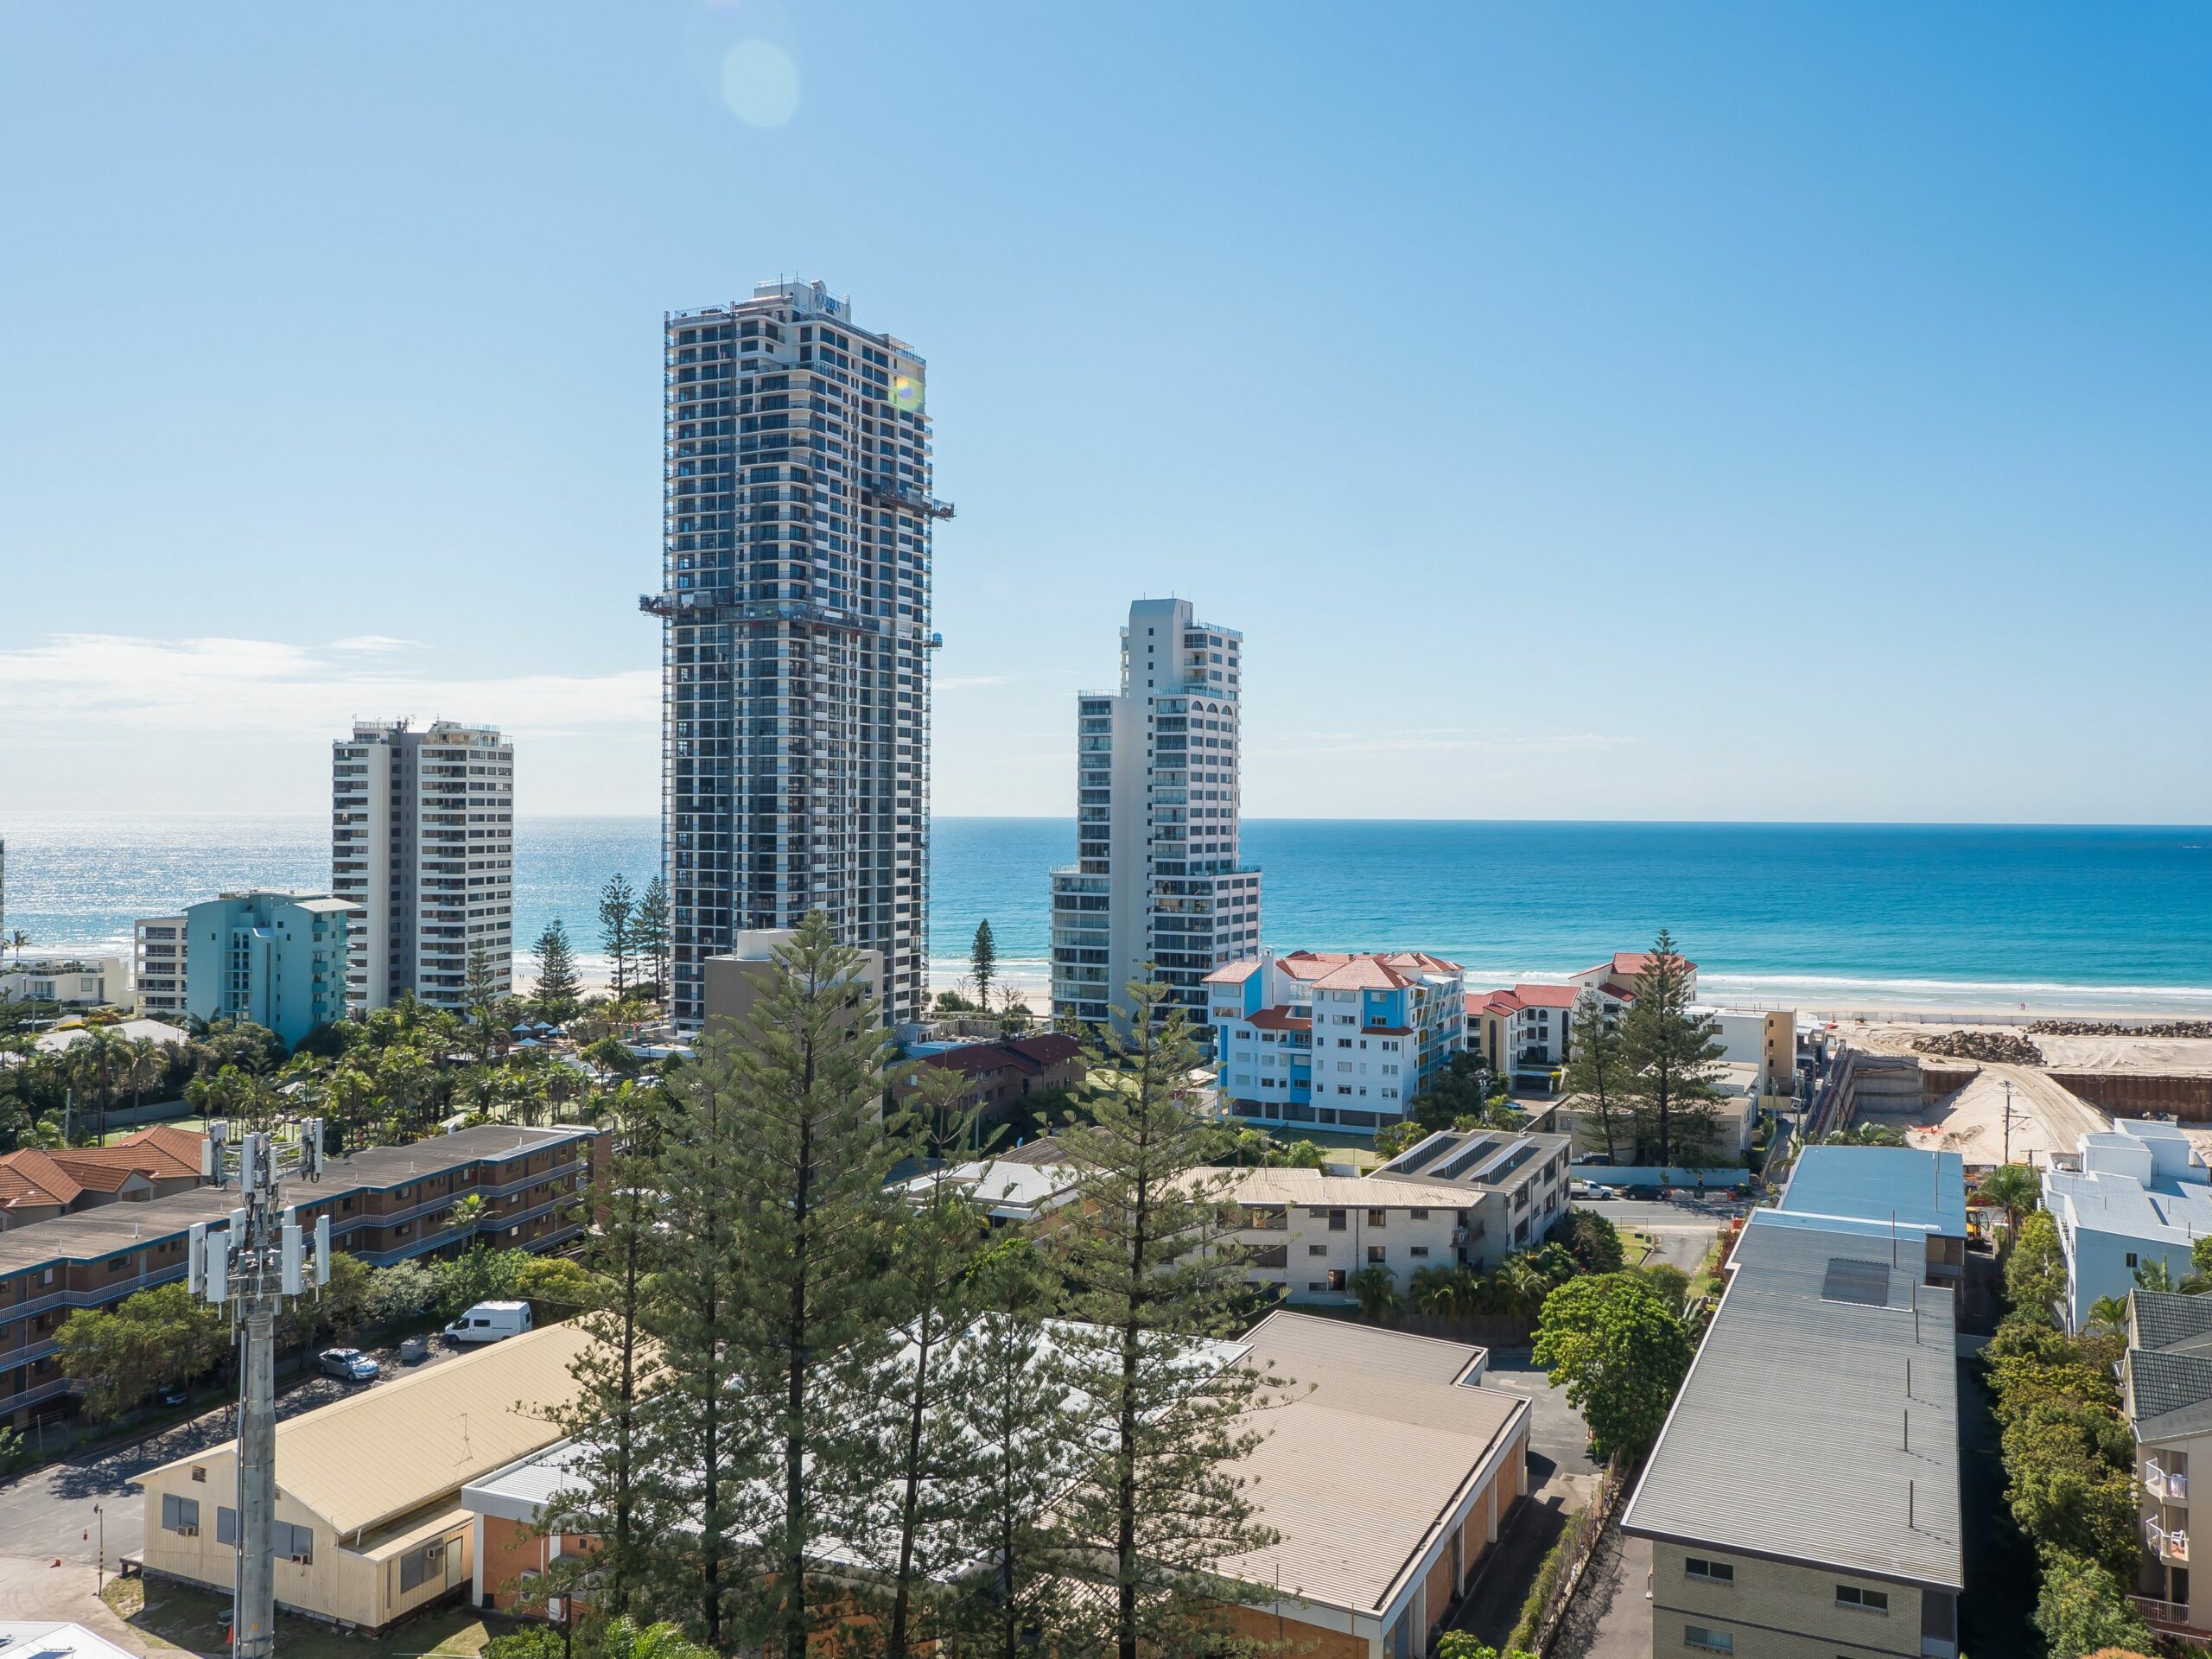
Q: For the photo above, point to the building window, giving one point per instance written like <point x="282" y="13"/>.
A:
<point x="180" y="1514"/>
<point x="420" y="1567"/>
<point x="292" y="1543"/>
<point x="2131" y="1260"/>
<point x="1870" y="1601"/>
<point x="227" y="1526"/>
<point x="1317" y="1250"/>
<point x="1711" y="1572"/>
<point x="1378" y="1218"/>
<point x="1419" y="1251"/>
<point x="1376" y="1256"/>
<point x="1335" y="1221"/>
<point x="1705" y="1641"/>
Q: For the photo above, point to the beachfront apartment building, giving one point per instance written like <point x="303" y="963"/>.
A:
<point x="278" y="959"/>
<point x="2123" y="1200"/>
<point x="797" y="522"/>
<point x="422" y="845"/>
<point x="157" y="954"/>
<point x="1158" y="889"/>
<point x="2165" y="1392"/>
<point x="1847" y="1537"/>
<point x="1332" y="1040"/>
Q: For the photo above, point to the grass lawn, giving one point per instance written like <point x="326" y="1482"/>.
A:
<point x="193" y="1620"/>
<point x="189" y="1125"/>
<point x="1635" y="1247"/>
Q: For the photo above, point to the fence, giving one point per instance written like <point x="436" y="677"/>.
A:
<point x="1718" y="1178"/>
<point x="1576" y="1544"/>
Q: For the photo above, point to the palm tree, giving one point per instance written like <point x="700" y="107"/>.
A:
<point x="22" y="942"/>
<point x="97" y="1061"/>
<point x="2014" y="1189"/>
<point x="1434" y="1290"/>
<point x="467" y="1215"/>
<point x="1524" y="1284"/>
<point x="2154" y="1274"/>
<point x="147" y="1066"/>
<point x="1377" y="1290"/>
<point x="2109" y="1314"/>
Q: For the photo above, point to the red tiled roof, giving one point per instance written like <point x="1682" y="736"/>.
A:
<point x="1630" y="964"/>
<point x="29" y="1176"/>
<point x="1278" y="1019"/>
<point x="1363" y="974"/>
<point x="179" y="1149"/>
<point x="1548" y="996"/>
<point x="1030" y="1054"/>
<point x="1235" y="973"/>
<point x="1492" y="1003"/>
<point x="1312" y="964"/>
<point x="1618" y="991"/>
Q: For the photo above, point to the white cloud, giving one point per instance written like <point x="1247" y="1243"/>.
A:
<point x="274" y="687"/>
<point x="1442" y="740"/>
<point x="963" y="682"/>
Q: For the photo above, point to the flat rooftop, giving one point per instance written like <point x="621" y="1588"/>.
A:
<point x="1914" y="1188"/>
<point x="1471" y="1158"/>
<point x="1819" y="1422"/>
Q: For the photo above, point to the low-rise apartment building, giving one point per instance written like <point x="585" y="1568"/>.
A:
<point x="1524" y="1031"/>
<point x="37" y="1185"/>
<point x="386" y="1204"/>
<point x="370" y="1524"/>
<point x="73" y="982"/>
<point x="1451" y="1200"/>
<point x="1843" y="1538"/>
<point x="2166" y="1389"/>
<point x="158" y="946"/>
<point x="1331" y="1040"/>
<point x="999" y="1075"/>
<point x="2124" y="1199"/>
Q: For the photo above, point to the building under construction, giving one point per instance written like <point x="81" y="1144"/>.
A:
<point x="795" y="609"/>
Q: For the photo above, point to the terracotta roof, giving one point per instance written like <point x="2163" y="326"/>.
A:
<point x="29" y="1176"/>
<point x="1312" y="964"/>
<point x="1278" y="1019"/>
<point x="179" y="1147"/>
<point x="1363" y="974"/>
<point x="1386" y="1030"/>
<point x="97" y="1169"/>
<point x="1628" y="964"/>
<point x="1492" y="1003"/>
<point x="1548" y="996"/>
<point x="1029" y="1054"/>
<point x="1618" y="991"/>
<point x="1235" y="973"/>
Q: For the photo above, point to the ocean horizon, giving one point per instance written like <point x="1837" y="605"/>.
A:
<point x="1969" y="919"/>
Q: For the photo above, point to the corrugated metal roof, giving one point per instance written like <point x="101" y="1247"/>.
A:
<point x="374" y="1456"/>
<point x="1310" y="1186"/>
<point x="1376" y="1443"/>
<point x="1920" y="1189"/>
<point x="1790" y="1438"/>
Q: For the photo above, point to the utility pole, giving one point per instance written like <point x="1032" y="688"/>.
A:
<point x="255" y="1265"/>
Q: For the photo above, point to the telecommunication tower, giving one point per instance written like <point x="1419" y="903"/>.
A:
<point x="253" y="1265"/>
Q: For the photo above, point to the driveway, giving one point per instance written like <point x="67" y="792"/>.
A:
<point x="1561" y="1479"/>
<point x="1612" y="1615"/>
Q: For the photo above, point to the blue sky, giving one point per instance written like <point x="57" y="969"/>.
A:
<point x="1760" y="411"/>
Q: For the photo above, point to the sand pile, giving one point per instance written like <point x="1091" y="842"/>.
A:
<point x="2114" y="1028"/>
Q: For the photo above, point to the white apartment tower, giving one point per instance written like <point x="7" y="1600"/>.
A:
<point x="797" y="521"/>
<point x="1157" y="889"/>
<point x="423" y="844"/>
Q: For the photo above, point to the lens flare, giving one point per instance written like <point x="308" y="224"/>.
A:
<point x="907" y="392"/>
<point x="760" y="84"/>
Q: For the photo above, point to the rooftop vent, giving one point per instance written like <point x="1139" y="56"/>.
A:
<point x="1865" y="1282"/>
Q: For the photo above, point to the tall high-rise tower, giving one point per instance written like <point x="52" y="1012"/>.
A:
<point x="1157" y="889"/>
<point x="422" y="845"/>
<point x="795" y="529"/>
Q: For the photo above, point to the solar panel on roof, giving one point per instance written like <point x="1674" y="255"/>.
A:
<point x="1848" y="1280"/>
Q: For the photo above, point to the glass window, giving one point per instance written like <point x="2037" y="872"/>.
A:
<point x="227" y="1526"/>
<point x="1713" y="1572"/>
<point x="1871" y="1601"/>
<point x="1705" y="1641"/>
<point x="178" y="1513"/>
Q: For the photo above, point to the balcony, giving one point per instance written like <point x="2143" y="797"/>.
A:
<point x="2161" y="1615"/>
<point x="2169" y="1486"/>
<point x="2167" y="1545"/>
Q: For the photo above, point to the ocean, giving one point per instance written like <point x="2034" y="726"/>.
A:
<point x="1832" y="917"/>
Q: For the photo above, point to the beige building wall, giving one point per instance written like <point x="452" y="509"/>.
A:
<point x="733" y="983"/>
<point x="1777" y="1610"/>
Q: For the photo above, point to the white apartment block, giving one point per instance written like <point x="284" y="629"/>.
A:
<point x="423" y="844"/>
<point x="1158" y="889"/>
<point x="1342" y="1041"/>
<point x="157" y="957"/>
<point x="796" y="537"/>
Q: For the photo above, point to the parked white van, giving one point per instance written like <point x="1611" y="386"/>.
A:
<point x="490" y="1322"/>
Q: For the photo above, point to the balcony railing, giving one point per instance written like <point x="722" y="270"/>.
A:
<point x="2170" y="1546"/>
<point x="2167" y="1615"/>
<point x="2172" y="1486"/>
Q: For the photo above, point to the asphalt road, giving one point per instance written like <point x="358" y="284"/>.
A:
<point x="1562" y="1478"/>
<point x="50" y="1511"/>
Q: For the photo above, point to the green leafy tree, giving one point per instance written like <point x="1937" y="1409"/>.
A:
<point x="1591" y="1239"/>
<point x="1671" y="1284"/>
<point x="2071" y="1482"/>
<point x="650" y="932"/>
<point x="398" y="1295"/>
<point x="339" y="1309"/>
<point x="558" y="992"/>
<point x="2035" y="1269"/>
<point x="1670" y="1057"/>
<point x="1156" y="1266"/>
<point x="121" y="1355"/>
<point x="1620" y="1352"/>
<point x="2082" y="1608"/>
<point x="1596" y="1069"/>
<point x="617" y="909"/>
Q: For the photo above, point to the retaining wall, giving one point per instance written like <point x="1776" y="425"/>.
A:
<point x="2186" y="1096"/>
